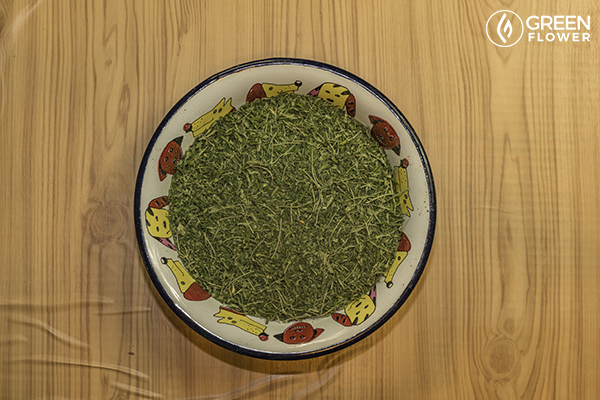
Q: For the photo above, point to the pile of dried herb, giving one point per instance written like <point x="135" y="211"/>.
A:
<point x="285" y="209"/>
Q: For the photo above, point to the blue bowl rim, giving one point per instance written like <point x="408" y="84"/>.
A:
<point x="296" y="355"/>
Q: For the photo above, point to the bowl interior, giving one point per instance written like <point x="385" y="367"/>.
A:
<point x="244" y="333"/>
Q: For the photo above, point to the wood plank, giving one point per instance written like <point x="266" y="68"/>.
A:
<point x="508" y="305"/>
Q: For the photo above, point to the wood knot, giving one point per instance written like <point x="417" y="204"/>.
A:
<point x="107" y="221"/>
<point x="500" y="358"/>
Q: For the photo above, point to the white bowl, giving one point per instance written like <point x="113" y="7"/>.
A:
<point x="247" y="334"/>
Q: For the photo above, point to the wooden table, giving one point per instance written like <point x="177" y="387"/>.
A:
<point x="509" y="304"/>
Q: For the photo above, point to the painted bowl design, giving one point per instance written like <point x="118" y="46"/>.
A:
<point x="224" y="93"/>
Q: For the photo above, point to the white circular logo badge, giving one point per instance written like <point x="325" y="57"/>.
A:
<point x="504" y="28"/>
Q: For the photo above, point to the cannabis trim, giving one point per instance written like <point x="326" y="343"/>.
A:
<point x="285" y="209"/>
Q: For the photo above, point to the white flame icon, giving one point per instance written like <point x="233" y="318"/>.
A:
<point x="507" y="27"/>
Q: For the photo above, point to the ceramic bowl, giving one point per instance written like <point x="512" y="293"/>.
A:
<point x="247" y="334"/>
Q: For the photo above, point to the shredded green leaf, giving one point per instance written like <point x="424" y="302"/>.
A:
<point x="285" y="209"/>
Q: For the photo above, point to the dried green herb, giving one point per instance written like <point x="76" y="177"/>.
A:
<point x="285" y="209"/>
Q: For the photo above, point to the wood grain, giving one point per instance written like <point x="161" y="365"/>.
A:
<point x="509" y="304"/>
